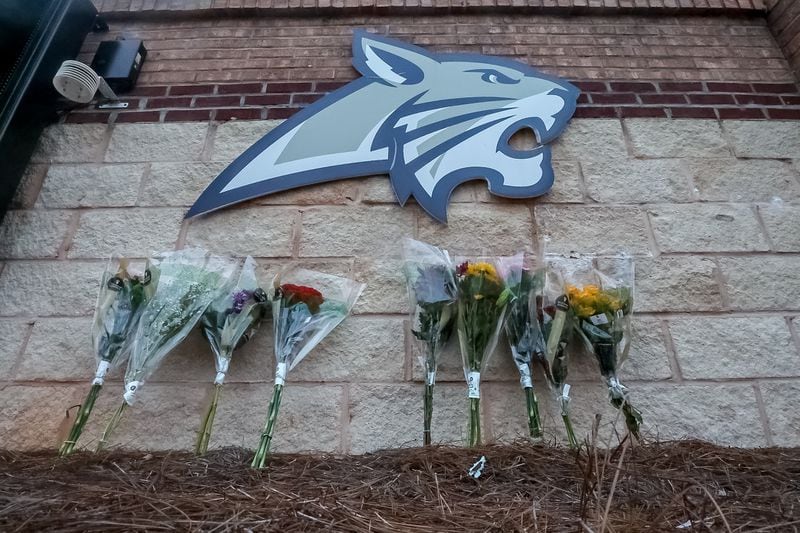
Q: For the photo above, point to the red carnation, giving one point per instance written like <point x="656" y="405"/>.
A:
<point x="300" y="293"/>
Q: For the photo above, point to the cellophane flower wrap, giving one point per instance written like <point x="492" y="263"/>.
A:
<point x="525" y="280"/>
<point x="603" y="303"/>
<point x="482" y="300"/>
<point x="556" y="319"/>
<point x="432" y="292"/>
<point x="187" y="281"/>
<point x="120" y="302"/>
<point x="230" y="321"/>
<point x="306" y="307"/>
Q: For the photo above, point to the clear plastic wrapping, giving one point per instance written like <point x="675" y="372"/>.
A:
<point x="187" y="281"/>
<point x="602" y="299"/>
<point x="432" y="293"/>
<point x="231" y="319"/>
<point x="482" y="300"/>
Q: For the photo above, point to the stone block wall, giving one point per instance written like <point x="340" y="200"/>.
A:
<point x="709" y="208"/>
<point x="685" y="151"/>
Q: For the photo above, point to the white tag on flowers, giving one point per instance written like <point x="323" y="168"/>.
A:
<point x="280" y="373"/>
<point x="100" y="374"/>
<point x="599" y="320"/>
<point x="474" y="385"/>
<point x="130" y="391"/>
<point x="220" y="378"/>
<point x="431" y="378"/>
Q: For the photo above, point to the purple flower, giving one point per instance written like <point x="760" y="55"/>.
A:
<point x="239" y="299"/>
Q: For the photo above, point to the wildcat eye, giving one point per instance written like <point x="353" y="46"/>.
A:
<point x="493" y="76"/>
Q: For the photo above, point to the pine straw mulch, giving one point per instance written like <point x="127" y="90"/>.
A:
<point x="656" y="487"/>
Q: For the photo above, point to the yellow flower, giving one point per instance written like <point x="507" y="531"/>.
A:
<point x="483" y="269"/>
<point x="584" y="311"/>
<point x="591" y="290"/>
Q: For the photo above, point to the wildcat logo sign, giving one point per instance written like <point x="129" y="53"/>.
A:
<point x="431" y="121"/>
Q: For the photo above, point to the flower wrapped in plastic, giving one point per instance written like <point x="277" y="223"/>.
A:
<point x="430" y="278"/>
<point x="120" y="303"/>
<point x="603" y="304"/>
<point x="306" y="307"/>
<point x="230" y="321"/>
<point x="556" y="319"/>
<point x="187" y="281"/>
<point x="525" y="280"/>
<point x="482" y="300"/>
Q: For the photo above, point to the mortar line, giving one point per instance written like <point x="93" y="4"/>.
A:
<point x="793" y="332"/>
<point x="762" y="413"/>
<point x="208" y="142"/>
<point x="344" y="423"/>
<point x="296" y="234"/>
<point x="672" y="353"/>
<point x="22" y="349"/>
<point x="725" y="298"/>
<point x="651" y="235"/>
<point x="143" y="181"/>
<point x="104" y="144"/>
<point x="763" y="226"/>
<point x="72" y="231"/>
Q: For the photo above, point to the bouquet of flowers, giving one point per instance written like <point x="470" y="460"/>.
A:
<point x="482" y="299"/>
<point x="228" y="323"/>
<point x="306" y="306"/>
<point x="120" y="303"/>
<point x="556" y="320"/>
<point x="523" y="330"/>
<point x="603" y="303"/>
<point x="430" y="279"/>
<point x="187" y="281"/>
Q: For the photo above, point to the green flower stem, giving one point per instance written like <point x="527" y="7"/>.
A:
<point x="573" y="442"/>
<point x="111" y="426"/>
<point x="534" y="425"/>
<point x="208" y="422"/>
<point x="428" y="408"/>
<point x="80" y="421"/>
<point x="266" y="436"/>
<point x="474" y="422"/>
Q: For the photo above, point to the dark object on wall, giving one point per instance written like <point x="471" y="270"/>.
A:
<point x="119" y="63"/>
<point x="36" y="36"/>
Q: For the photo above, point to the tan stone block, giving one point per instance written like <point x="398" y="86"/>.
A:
<point x="178" y="184"/>
<point x="679" y="284"/>
<point x="500" y="366"/>
<point x="390" y="416"/>
<point x="42" y="288"/>
<point x="780" y="402"/>
<point x="730" y="348"/>
<point x="70" y="143"/>
<point x="359" y="349"/>
<point x="91" y="186"/>
<point x="309" y="420"/>
<point x="589" y="140"/>
<point x="157" y="142"/>
<point x="241" y="231"/>
<point x="30" y="416"/>
<point x="385" y="290"/>
<point x="707" y="228"/>
<point x="648" y="359"/>
<point x="598" y="230"/>
<point x="29" y="186"/>
<point x="33" y="234"/>
<point x="783" y="226"/>
<point x="762" y="282"/>
<point x="738" y="180"/>
<point x="59" y="349"/>
<point x="378" y="190"/>
<point x="130" y="232"/>
<point x="234" y="137"/>
<point x="375" y="231"/>
<point x="637" y="181"/>
<point x="481" y="230"/>
<point x="12" y="337"/>
<point x="764" y="139"/>
<point x="654" y="137"/>
<point x="339" y="192"/>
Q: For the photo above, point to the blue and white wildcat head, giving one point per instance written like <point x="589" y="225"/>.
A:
<point x="431" y="121"/>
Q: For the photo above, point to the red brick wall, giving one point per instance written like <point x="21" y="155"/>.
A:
<point x="784" y="21"/>
<point x="268" y="67"/>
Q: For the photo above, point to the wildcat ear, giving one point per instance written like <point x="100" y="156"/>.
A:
<point x="395" y="63"/>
